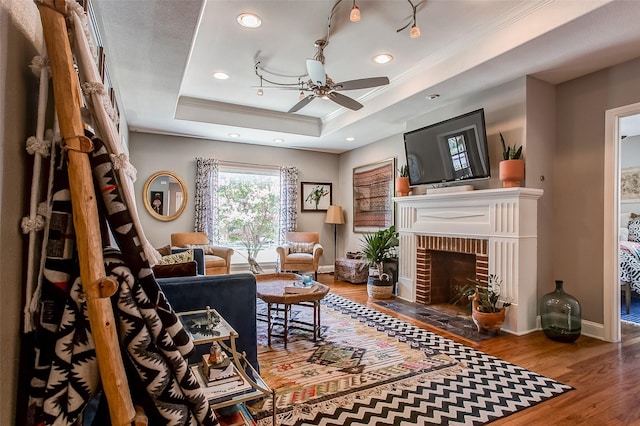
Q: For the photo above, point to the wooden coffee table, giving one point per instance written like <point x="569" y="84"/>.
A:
<point x="271" y="290"/>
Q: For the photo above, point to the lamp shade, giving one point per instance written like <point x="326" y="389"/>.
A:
<point x="334" y="215"/>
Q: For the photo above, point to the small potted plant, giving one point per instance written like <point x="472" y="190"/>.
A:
<point x="402" y="181"/>
<point x="378" y="248"/>
<point x="487" y="309"/>
<point x="512" y="166"/>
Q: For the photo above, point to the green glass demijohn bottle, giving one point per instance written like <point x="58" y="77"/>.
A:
<point x="560" y="315"/>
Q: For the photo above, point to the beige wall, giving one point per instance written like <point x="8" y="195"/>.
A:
<point x="540" y="145"/>
<point x="151" y="153"/>
<point x="19" y="34"/>
<point x="504" y="111"/>
<point x="578" y="191"/>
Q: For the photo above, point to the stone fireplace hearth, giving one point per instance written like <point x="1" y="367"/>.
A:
<point x="497" y="226"/>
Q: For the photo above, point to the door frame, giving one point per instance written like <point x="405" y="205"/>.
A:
<point x="611" y="287"/>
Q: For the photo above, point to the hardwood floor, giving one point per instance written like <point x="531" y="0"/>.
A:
<point x="603" y="374"/>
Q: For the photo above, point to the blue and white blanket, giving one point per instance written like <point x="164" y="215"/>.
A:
<point x="630" y="264"/>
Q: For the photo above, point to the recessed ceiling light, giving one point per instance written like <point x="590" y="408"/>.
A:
<point x="433" y="96"/>
<point x="383" y="58"/>
<point x="278" y="140"/>
<point x="351" y="139"/>
<point x="234" y="135"/>
<point x="220" y="75"/>
<point x="249" y="20"/>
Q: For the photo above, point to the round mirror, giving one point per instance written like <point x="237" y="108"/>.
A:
<point x="165" y="195"/>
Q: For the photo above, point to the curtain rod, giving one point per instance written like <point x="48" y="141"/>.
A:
<point x="240" y="163"/>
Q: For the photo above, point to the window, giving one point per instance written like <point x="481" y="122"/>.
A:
<point x="248" y="212"/>
<point x="459" y="157"/>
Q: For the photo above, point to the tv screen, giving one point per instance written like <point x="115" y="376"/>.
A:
<point x="450" y="151"/>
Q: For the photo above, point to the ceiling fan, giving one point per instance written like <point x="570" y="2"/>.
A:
<point x="322" y="86"/>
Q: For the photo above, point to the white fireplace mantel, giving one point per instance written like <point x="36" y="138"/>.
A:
<point x="507" y="218"/>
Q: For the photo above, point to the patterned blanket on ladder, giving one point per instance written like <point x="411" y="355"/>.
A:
<point x="154" y="345"/>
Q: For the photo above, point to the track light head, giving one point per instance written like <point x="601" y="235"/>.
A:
<point x="354" y="16"/>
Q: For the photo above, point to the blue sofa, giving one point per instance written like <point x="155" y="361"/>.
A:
<point x="233" y="296"/>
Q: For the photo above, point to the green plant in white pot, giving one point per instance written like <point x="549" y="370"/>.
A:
<point x="378" y="248"/>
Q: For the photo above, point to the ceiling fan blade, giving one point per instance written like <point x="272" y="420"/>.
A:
<point x="316" y="72"/>
<point x="345" y="101"/>
<point x="362" y="83"/>
<point x="302" y="103"/>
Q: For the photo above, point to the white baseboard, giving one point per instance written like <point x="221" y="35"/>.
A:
<point x="326" y="269"/>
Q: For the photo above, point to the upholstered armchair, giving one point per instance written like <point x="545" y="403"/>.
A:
<point x="301" y="252"/>
<point x="217" y="260"/>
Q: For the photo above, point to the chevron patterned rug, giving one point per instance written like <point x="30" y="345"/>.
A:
<point x="372" y="369"/>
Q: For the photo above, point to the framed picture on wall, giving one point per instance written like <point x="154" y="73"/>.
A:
<point x="630" y="185"/>
<point x="315" y="196"/>
<point x="373" y="186"/>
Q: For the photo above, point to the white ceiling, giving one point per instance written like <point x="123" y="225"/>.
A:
<point x="162" y="53"/>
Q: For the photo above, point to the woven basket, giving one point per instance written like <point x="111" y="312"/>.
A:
<point x="379" y="291"/>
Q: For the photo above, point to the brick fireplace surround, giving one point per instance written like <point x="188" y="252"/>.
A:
<point x="426" y="244"/>
<point x="497" y="226"/>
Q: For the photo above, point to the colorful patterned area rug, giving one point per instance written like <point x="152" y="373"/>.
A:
<point x="372" y="369"/>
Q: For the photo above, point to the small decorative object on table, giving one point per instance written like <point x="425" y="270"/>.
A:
<point x="487" y="310"/>
<point x="560" y="315"/>
<point x="232" y="380"/>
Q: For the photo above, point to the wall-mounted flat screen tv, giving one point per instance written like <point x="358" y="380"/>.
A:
<point x="450" y="151"/>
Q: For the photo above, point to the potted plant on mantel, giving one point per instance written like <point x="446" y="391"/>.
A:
<point x="512" y="166"/>
<point x="402" y="181"/>
<point x="487" y="310"/>
<point x="378" y="248"/>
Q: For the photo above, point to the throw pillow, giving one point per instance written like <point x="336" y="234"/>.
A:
<point x="164" y="251"/>
<point x="634" y="230"/>
<point x="184" y="269"/>
<point x="183" y="256"/>
<point x="301" y="247"/>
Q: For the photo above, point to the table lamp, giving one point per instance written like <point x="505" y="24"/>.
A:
<point x="335" y="216"/>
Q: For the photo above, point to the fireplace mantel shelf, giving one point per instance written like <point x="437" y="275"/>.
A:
<point x="506" y="218"/>
<point x="478" y="194"/>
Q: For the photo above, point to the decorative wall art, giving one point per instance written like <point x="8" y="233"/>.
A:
<point x="373" y="186"/>
<point x="316" y="197"/>
<point x="630" y="185"/>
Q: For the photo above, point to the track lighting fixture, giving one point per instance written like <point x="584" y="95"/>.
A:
<point x="354" y="16"/>
<point x="415" y="31"/>
<point x="260" y="92"/>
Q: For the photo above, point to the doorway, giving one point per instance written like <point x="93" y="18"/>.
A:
<point x="612" y="172"/>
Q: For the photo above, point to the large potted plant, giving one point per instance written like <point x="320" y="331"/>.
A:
<point x="378" y="248"/>
<point x="512" y="166"/>
<point x="487" y="309"/>
<point x="402" y="181"/>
